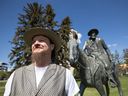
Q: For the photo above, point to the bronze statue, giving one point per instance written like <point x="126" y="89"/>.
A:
<point x="97" y="48"/>
<point x="92" y="70"/>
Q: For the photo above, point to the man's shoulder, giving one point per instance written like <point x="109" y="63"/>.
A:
<point x="98" y="39"/>
<point x="24" y="67"/>
<point x="58" y="69"/>
<point x="58" y="66"/>
<point x="20" y="68"/>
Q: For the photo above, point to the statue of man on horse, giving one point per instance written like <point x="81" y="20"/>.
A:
<point x="96" y="47"/>
<point x="94" y="63"/>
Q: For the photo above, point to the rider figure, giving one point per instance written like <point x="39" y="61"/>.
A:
<point x="97" y="48"/>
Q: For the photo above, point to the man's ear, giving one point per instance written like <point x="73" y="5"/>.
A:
<point x="52" y="46"/>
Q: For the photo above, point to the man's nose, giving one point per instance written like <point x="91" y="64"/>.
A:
<point x="36" y="42"/>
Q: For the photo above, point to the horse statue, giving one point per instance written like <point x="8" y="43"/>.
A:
<point x="92" y="73"/>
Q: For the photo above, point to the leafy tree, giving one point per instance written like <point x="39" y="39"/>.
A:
<point x="125" y="51"/>
<point x="35" y="15"/>
<point x="116" y="57"/>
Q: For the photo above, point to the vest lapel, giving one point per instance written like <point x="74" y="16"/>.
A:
<point x="47" y="75"/>
<point x="30" y="73"/>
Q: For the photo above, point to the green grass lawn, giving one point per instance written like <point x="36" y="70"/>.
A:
<point x="90" y="91"/>
<point x="113" y="91"/>
<point x="2" y="84"/>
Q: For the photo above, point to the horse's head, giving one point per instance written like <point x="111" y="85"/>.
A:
<point x="73" y="47"/>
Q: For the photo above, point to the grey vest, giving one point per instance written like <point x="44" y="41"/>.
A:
<point x="52" y="83"/>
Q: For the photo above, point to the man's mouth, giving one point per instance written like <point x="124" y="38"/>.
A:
<point x="38" y="48"/>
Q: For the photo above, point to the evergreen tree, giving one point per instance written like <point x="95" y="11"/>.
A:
<point x="50" y="15"/>
<point x="35" y="15"/>
<point x="64" y="33"/>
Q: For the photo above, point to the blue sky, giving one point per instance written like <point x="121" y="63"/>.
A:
<point x="110" y="17"/>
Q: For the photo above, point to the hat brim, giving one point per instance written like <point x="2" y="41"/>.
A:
<point x="29" y="34"/>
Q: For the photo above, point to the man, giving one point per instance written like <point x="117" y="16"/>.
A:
<point x="97" y="48"/>
<point x="42" y="77"/>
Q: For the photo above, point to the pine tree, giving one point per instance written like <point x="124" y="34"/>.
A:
<point x="35" y="15"/>
<point x="64" y="33"/>
<point x="50" y="15"/>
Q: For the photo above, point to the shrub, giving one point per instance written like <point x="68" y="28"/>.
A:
<point x="3" y="75"/>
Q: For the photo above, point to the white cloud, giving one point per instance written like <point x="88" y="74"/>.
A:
<point x="112" y="45"/>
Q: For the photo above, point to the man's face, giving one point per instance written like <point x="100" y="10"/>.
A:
<point x="93" y="35"/>
<point x="41" y="44"/>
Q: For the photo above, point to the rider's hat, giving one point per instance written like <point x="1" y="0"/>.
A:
<point x="93" y="31"/>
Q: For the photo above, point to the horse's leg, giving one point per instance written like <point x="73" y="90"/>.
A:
<point x="107" y="89"/>
<point x="82" y="88"/>
<point x="118" y="84"/>
<point x="100" y="88"/>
